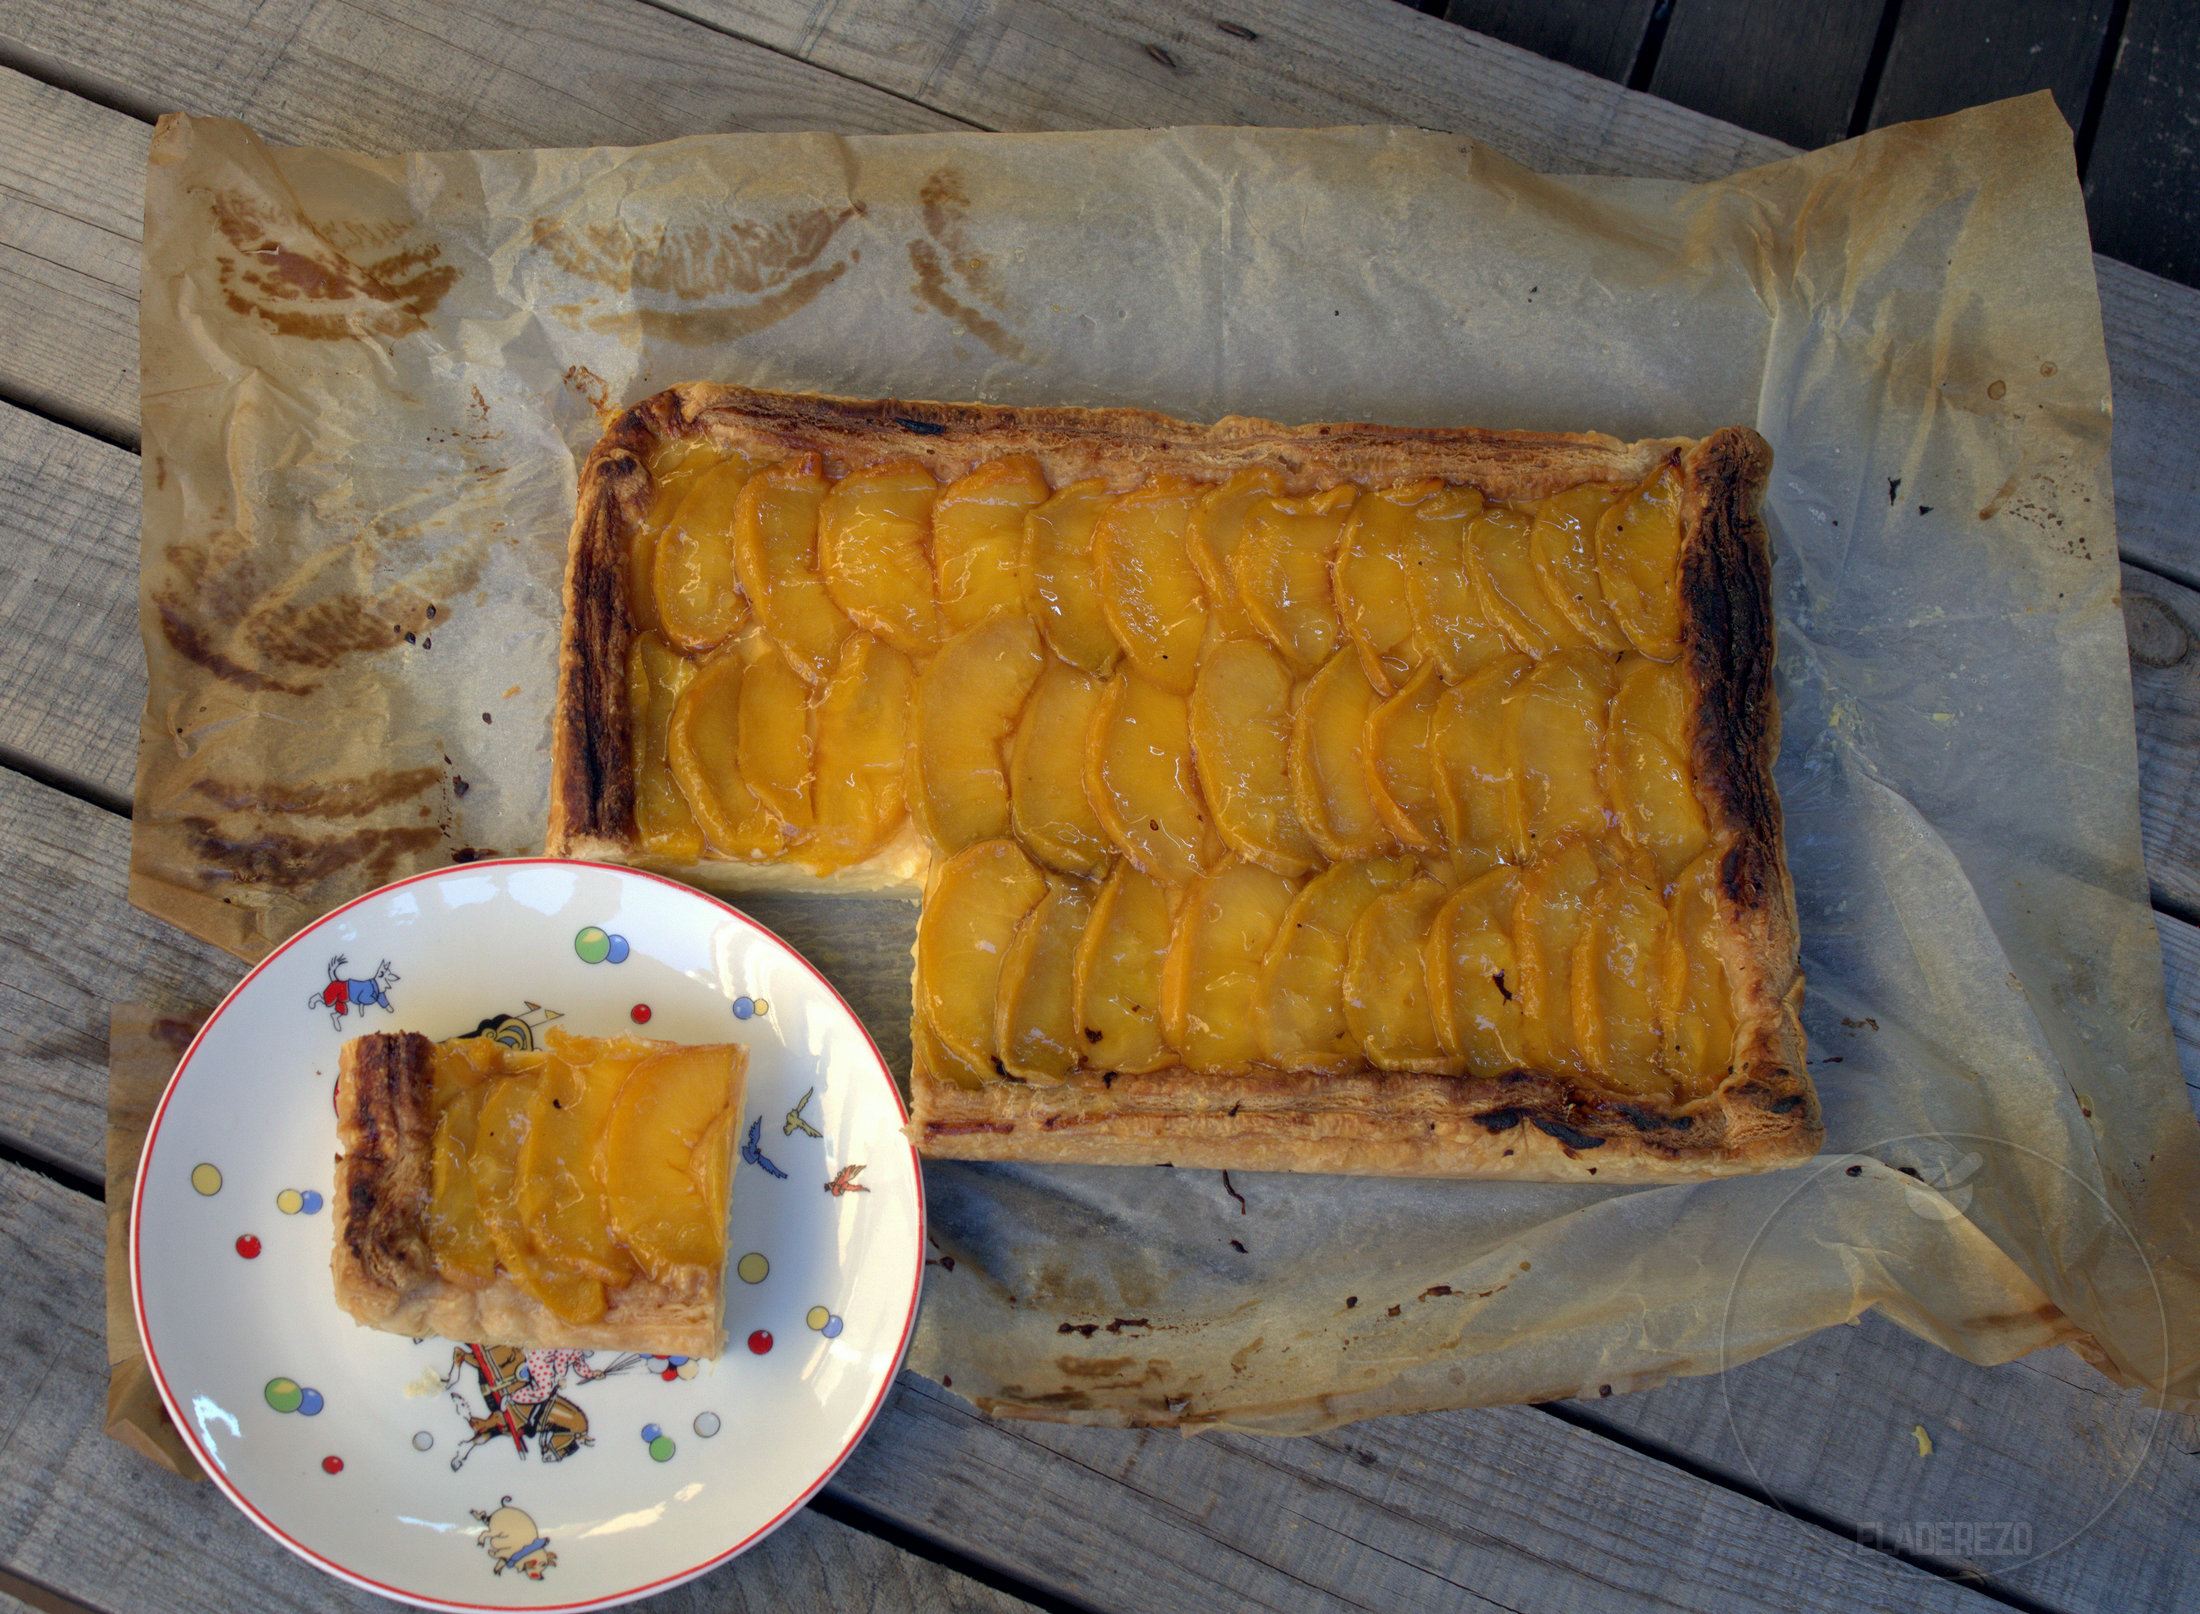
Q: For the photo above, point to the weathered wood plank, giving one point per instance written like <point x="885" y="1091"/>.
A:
<point x="2142" y="181"/>
<point x="2162" y="624"/>
<point x="69" y="946"/>
<point x="1958" y="53"/>
<point x="85" y="1516"/>
<point x="73" y="682"/>
<point x="414" y="75"/>
<point x="70" y="228"/>
<point x="2181" y="974"/>
<point x="1790" y="72"/>
<point x="1593" y="35"/>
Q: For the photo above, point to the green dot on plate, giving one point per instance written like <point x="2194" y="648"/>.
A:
<point x="661" y="1448"/>
<point x="753" y="1267"/>
<point x="206" y="1178"/>
<point x="593" y="945"/>
<point x="284" y="1395"/>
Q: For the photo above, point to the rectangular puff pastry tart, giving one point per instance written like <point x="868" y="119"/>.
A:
<point x="570" y="1196"/>
<point x="1334" y="798"/>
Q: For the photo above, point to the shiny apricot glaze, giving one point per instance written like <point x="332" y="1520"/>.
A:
<point x="579" y="1165"/>
<point x="1218" y="775"/>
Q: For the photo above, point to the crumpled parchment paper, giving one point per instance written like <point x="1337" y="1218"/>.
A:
<point x="368" y="384"/>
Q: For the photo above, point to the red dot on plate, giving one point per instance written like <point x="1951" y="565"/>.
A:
<point x="332" y="1465"/>
<point x="669" y="1374"/>
<point x="760" y="1341"/>
<point x="248" y="1247"/>
<point x="640" y="1014"/>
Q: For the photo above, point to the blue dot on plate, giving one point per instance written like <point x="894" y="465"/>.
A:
<point x="310" y="1402"/>
<point x="676" y="1361"/>
<point x="618" y="952"/>
<point x="310" y="1201"/>
<point x="831" y="1330"/>
<point x="650" y="1432"/>
<point x="743" y="1008"/>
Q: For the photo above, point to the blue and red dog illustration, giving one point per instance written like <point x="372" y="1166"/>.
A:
<point x="341" y="995"/>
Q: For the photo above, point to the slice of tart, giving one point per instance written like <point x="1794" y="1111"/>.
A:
<point x="572" y="1196"/>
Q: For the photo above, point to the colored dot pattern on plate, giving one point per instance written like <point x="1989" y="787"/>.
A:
<point x="639" y="1014"/>
<point x="206" y="1178"/>
<point x="747" y="1007"/>
<point x="332" y="1465"/>
<point x="753" y="1268"/>
<point x="707" y="1424"/>
<point x="423" y="1441"/>
<point x="248" y="1247"/>
<point x="760" y="1341"/>
<point x="595" y="945"/>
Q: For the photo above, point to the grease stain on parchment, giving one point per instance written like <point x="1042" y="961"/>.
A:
<point x="771" y="267"/>
<point x="944" y="254"/>
<point x="300" y="278"/>
<point x="289" y="862"/>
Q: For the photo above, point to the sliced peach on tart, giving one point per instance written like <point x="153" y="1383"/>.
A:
<point x="874" y="538"/>
<point x="1473" y="763"/>
<point x="1118" y="971"/>
<point x="1562" y="546"/>
<point x="670" y="1216"/>
<point x="693" y="581"/>
<point x="655" y="675"/>
<point x="1501" y="559"/>
<point x="702" y="747"/>
<point x="1698" y="998"/>
<point x="774" y="748"/>
<point x="967" y="704"/>
<point x="1035" y="1007"/>
<point x="1387" y="1002"/>
<point x="1619" y="967"/>
<point x="1218" y="526"/>
<point x="1048" y="805"/>
<point x="1555" y="720"/>
<point x="1369" y="580"/>
<point x="775" y="552"/>
<point x="1549" y="917"/>
<point x="1638" y="557"/>
<point x="1060" y="591"/>
<point x="1474" y="974"/>
<point x="978" y="535"/>
<point x="674" y="468"/>
<point x="862" y="722"/>
<point x="978" y="899"/>
<point x="1329" y="779"/>
<point x="1448" y="617"/>
<point x="1401" y="764"/>
<point x="1143" y="784"/>
<point x="1281" y="567"/>
<point x="1240" y="717"/>
<point x="1301" y="993"/>
<point x="1210" y="980"/>
<point x="1150" y="592"/>
<point x="1645" y="769"/>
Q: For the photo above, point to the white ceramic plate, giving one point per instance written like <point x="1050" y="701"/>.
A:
<point x="380" y="1458"/>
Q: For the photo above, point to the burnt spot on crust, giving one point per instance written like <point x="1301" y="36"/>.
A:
<point x="923" y="428"/>
<point x="1571" y="1136"/>
<point x="385" y="1124"/>
<point x="1499" y="1120"/>
<point x="1727" y="641"/>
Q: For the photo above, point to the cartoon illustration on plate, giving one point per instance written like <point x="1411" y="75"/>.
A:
<point x="797" y="1120"/>
<point x="341" y="995"/>
<point x="511" y="1538"/>
<point x="844" y="1182"/>
<point x="516" y="1031"/>
<point x="753" y="1150"/>
<point x="519" y="1390"/>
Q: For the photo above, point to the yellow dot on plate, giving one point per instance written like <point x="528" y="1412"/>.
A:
<point x="763" y="1006"/>
<point x="753" y="1268"/>
<point x="818" y="1317"/>
<point x="290" y="1201"/>
<point x="206" y="1179"/>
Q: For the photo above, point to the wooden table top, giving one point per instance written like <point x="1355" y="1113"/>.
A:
<point x="1794" y="1482"/>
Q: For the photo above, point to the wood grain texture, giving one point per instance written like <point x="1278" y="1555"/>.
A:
<point x="2093" y="1524"/>
<point x="1952" y="54"/>
<point x="69" y="237"/>
<point x="88" y="1518"/>
<point x="2162" y="625"/>
<point x="1596" y="36"/>
<point x="2153" y="331"/>
<point x="2181" y="974"/>
<point x="69" y="946"/>
<point x="73" y="681"/>
<point x="416" y="75"/>
<point x="1790" y="72"/>
<point x="2142" y="183"/>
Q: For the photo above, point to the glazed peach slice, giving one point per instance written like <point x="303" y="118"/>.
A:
<point x="859" y="798"/>
<point x="773" y="748"/>
<point x="1218" y="525"/>
<point x="1549" y="917"/>
<point x="498" y="1137"/>
<point x="1501" y="560"/>
<point x="1329" y="780"/>
<point x="1638" y="557"/>
<point x="775" y="552"/>
<point x="1281" y="568"/>
<point x="1301" y="992"/>
<point x="1060" y="592"/>
<point x="1473" y="764"/>
<point x="673" y="469"/>
<point x="1554" y="737"/>
<point x="1035" y="1008"/>
<point x="1369" y="580"/>
<point x="1117" y="972"/>
<point x="1387" y="1001"/>
<point x="1401" y="764"/>
<point x="941" y="1061"/>
<point x="977" y="534"/>
<point x="1241" y="743"/>
<point x="967" y="703"/>
<point x="458" y="1239"/>
<point x="702" y="747"/>
<point x="697" y="591"/>
<point x="1562" y="546"/>
<point x="1474" y="974"/>
<point x="1644" y="771"/>
<point x="655" y="675"/>
<point x="978" y="898"/>
<point x="1143" y="784"/>
<point x="1448" y="619"/>
<point x="1047" y="803"/>
<point x="1150" y="592"/>
<point x="1697" y="997"/>
<point x="554" y="1189"/>
<point x="671" y="1104"/>
<point x="1618" y="983"/>
<point x="874" y="541"/>
<point x="1210" y="980"/>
